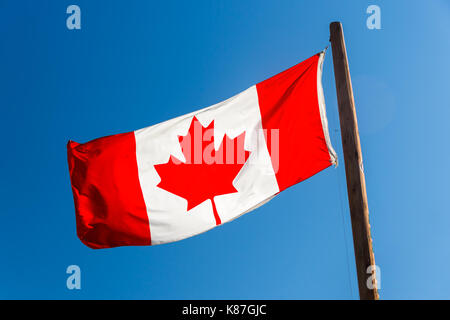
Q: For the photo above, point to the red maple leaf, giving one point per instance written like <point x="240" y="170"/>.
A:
<point x="206" y="172"/>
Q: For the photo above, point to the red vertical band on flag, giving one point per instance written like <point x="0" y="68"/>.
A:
<point x="109" y="205"/>
<point x="289" y="102"/>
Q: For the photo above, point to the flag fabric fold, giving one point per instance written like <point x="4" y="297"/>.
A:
<point x="192" y="173"/>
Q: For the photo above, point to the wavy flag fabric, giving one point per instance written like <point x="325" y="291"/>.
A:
<point x="187" y="175"/>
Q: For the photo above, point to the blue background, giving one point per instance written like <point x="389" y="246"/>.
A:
<point x="137" y="63"/>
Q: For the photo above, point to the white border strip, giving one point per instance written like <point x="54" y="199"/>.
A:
<point x="323" y="112"/>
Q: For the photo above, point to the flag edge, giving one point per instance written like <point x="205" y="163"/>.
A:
<point x="322" y="109"/>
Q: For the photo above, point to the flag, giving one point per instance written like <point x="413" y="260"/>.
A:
<point x="187" y="175"/>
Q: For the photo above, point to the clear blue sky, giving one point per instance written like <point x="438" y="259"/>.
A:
<point x="137" y="63"/>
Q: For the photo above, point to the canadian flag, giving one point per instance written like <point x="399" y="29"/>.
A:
<point x="182" y="177"/>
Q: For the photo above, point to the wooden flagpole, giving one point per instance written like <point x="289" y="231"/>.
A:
<point x="356" y="185"/>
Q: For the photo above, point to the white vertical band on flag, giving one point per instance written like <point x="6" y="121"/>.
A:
<point x="323" y="112"/>
<point x="256" y="182"/>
